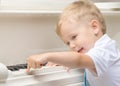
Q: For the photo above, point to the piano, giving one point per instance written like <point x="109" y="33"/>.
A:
<point x="45" y="76"/>
<point x="27" y="28"/>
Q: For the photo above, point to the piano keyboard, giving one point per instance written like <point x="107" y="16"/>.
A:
<point x="17" y="67"/>
<point x="46" y="76"/>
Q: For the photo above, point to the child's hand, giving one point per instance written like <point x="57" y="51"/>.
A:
<point x="67" y="69"/>
<point x="51" y="64"/>
<point x="36" y="61"/>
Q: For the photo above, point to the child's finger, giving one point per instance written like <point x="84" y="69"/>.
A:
<point x="67" y="68"/>
<point x="28" y="69"/>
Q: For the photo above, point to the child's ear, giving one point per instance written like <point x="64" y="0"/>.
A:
<point x="95" y="26"/>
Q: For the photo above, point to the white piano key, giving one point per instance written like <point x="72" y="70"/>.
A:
<point x="43" y="70"/>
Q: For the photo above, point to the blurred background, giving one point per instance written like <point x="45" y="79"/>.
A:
<point x="106" y="0"/>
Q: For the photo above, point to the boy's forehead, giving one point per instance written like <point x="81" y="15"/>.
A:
<point x="69" y="22"/>
<point x="67" y="26"/>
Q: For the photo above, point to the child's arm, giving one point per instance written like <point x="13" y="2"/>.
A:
<point x="69" y="59"/>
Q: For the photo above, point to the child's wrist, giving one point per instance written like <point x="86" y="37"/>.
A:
<point x="47" y="57"/>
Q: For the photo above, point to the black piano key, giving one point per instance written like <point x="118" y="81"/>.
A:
<point x="12" y="68"/>
<point x="19" y="66"/>
<point x="15" y="68"/>
<point x="22" y="66"/>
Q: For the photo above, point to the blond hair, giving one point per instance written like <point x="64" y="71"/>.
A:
<point x="82" y="9"/>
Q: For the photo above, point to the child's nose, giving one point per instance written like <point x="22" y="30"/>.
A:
<point x="72" y="46"/>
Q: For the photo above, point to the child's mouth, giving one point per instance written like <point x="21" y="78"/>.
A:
<point x="80" y="50"/>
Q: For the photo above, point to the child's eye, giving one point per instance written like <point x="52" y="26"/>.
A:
<point x="73" y="37"/>
<point x="68" y="43"/>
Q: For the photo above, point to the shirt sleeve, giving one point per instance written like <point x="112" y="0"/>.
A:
<point x="100" y="58"/>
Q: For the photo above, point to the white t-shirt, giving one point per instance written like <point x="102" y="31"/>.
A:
<point x="106" y="57"/>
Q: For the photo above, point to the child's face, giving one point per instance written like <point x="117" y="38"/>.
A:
<point x="80" y="37"/>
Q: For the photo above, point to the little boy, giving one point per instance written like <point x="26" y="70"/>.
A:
<point x="82" y="27"/>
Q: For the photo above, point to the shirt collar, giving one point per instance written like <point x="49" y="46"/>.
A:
<point x="102" y="40"/>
